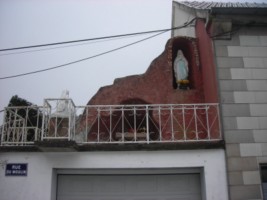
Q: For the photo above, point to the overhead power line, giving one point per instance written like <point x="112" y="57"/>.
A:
<point x="97" y="55"/>
<point x="85" y="40"/>
<point x="59" y="47"/>
<point x="77" y="61"/>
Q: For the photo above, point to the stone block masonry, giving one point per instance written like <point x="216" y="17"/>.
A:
<point x="242" y="74"/>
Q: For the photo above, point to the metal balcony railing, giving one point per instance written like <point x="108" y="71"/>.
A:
<point x="22" y="126"/>
<point x="59" y="116"/>
<point x="102" y="124"/>
<point x="149" y="123"/>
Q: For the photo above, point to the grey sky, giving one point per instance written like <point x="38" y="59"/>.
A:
<point x="31" y="22"/>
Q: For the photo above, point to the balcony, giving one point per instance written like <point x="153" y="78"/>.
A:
<point x="61" y="120"/>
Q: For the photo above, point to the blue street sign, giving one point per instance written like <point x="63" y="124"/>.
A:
<point x="16" y="169"/>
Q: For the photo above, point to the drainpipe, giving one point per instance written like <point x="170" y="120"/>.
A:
<point x="207" y="19"/>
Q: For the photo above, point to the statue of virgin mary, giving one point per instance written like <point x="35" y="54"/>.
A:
<point x="181" y="68"/>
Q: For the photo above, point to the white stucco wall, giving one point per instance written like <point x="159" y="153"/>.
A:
<point x="38" y="183"/>
<point x="183" y="14"/>
<point x="179" y="18"/>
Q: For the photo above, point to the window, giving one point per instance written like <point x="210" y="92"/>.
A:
<point x="264" y="181"/>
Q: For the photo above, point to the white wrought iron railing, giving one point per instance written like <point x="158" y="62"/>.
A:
<point x="22" y="126"/>
<point x="102" y="124"/>
<point x="149" y="123"/>
<point x="58" y="119"/>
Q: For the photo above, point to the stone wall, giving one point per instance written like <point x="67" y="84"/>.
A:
<point x="242" y="73"/>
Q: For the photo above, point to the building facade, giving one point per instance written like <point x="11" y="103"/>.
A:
<point x="140" y="138"/>
<point x="157" y="135"/>
<point x="239" y="34"/>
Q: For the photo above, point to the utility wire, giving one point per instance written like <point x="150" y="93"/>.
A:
<point x="60" y="47"/>
<point x="77" y="61"/>
<point x="97" y="55"/>
<point x="84" y="40"/>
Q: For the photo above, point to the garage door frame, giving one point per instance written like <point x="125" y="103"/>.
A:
<point x="139" y="171"/>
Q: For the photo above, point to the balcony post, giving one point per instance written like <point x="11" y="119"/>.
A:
<point x="3" y="127"/>
<point x="86" y="123"/>
<point x="43" y="122"/>
<point x="98" y="124"/>
<point x="37" y="125"/>
<point x="69" y="121"/>
<point x="160" y="130"/>
<point x="24" y="132"/>
<point x="122" y="125"/>
<point x="184" y="129"/>
<point x="172" y="128"/>
<point x="219" y="121"/>
<point x="195" y="113"/>
<point x="135" y="138"/>
<point x="147" y="124"/>
<point x="110" y="124"/>
<point x="207" y="119"/>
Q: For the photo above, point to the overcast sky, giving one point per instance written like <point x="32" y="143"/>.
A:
<point x="31" y="22"/>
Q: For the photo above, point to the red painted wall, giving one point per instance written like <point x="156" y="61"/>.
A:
<point x="156" y="85"/>
<point x="206" y="56"/>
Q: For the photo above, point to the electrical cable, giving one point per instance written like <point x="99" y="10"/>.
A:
<point x="80" y="60"/>
<point x="97" y="55"/>
<point x="65" y="46"/>
<point x="84" y="40"/>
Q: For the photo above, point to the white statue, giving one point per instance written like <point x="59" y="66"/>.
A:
<point x="181" y="69"/>
<point x="63" y="104"/>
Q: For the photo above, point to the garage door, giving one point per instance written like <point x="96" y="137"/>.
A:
<point x="129" y="187"/>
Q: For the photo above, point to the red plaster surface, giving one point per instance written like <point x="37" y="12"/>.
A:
<point x="207" y="63"/>
<point x="157" y="86"/>
<point x="208" y="68"/>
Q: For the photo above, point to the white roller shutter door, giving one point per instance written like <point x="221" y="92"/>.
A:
<point x="129" y="187"/>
